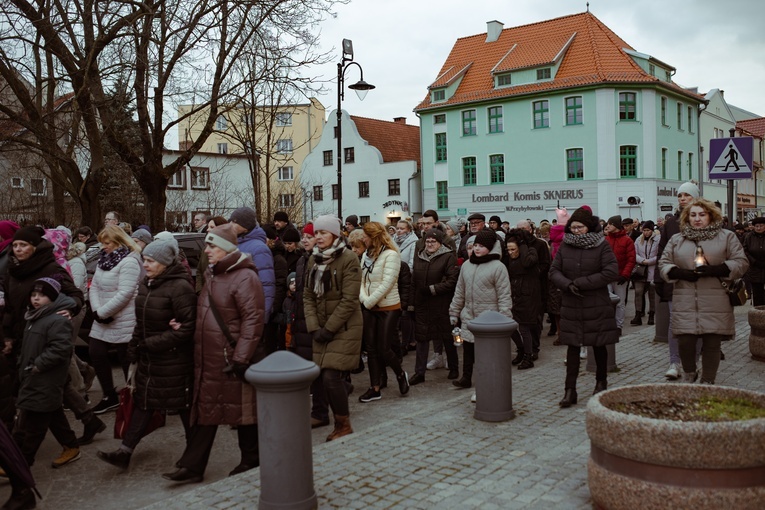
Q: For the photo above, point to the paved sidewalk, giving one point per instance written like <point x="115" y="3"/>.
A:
<point x="424" y="450"/>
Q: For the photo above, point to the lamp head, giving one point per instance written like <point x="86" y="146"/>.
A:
<point x="347" y="49"/>
<point x="361" y="87"/>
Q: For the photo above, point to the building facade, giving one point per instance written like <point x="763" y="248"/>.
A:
<point x="380" y="170"/>
<point x="275" y="140"/>
<point x="557" y="113"/>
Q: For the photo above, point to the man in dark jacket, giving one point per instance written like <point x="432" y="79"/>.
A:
<point x="543" y="255"/>
<point x="476" y="223"/>
<point x="429" y="220"/>
<point x="273" y="340"/>
<point x="624" y="250"/>
<point x="293" y="250"/>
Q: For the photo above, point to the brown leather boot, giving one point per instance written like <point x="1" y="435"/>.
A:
<point x="342" y="427"/>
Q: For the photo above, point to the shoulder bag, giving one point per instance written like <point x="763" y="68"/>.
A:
<point x="736" y="290"/>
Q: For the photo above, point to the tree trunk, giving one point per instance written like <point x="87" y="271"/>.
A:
<point x="154" y="187"/>
<point x="90" y="208"/>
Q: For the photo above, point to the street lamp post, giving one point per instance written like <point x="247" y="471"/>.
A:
<point x="361" y="88"/>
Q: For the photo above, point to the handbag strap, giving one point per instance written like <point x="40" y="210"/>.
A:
<point x="219" y="319"/>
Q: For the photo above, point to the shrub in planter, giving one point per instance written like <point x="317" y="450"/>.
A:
<point x="703" y="447"/>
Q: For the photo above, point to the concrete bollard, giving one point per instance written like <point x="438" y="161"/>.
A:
<point x="662" y="321"/>
<point x="493" y="374"/>
<point x="284" y="431"/>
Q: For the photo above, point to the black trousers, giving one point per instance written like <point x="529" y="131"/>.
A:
<point x="758" y="293"/>
<point x="139" y="422"/>
<point x="32" y="426"/>
<point x="380" y="331"/>
<point x="200" y="441"/>
<point x="99" y="358"/>
<point x="573" y="360"/>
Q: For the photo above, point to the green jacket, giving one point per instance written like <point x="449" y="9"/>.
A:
<point x="338" y="310"/>
<point x="47" y="345"/>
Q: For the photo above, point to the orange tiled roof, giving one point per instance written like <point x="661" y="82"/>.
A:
<point x="396" y="141"/>
<point x="754" y="126"/>
<point x="594" y="55"/>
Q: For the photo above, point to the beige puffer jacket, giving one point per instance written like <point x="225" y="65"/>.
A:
<point x="702" y="306"/>
<point x="379" y="279"/>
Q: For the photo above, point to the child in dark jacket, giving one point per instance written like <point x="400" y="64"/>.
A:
<point x="43" y="366"/>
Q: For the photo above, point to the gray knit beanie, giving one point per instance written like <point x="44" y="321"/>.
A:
<point x="161" y="250"/>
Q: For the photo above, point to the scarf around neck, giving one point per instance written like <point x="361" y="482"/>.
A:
<point x="701" y="234"/>
<point x="585" y="241"/>
<point x="474" y="259"/>
<point x="108" y="261"/>
<point x="320" y="278"/>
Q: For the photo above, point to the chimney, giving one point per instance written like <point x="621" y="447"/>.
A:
<point x="493" y="29"/>
<point x="399" y="120"/>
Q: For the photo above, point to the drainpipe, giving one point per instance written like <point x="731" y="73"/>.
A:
<point x="700" y="152"/>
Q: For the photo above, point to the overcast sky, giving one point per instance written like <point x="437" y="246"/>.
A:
<point x="401" y="44"/>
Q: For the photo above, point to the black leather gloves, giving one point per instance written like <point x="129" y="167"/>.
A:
<point x="323" y="336"/>
<point x="683" y="274"/>
<point x="719" y="270"/>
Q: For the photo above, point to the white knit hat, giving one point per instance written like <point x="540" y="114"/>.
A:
<point x="327" y="222"/>
<point x="689" y="187"/>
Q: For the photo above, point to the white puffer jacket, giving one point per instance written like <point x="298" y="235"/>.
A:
<point x="407" y="249"/>
<point x="79" y="273"/>
<point x="112" y="294"/>
<point x="379" y="279"/>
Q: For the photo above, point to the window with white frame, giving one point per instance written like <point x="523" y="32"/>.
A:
<point x="200" y="177"/>
<point x="286" y="199"/>
<point x="222" y="148"/>
<point x="17" y="182"/>
<point x="177" y="180"/>
<point x="221" y="123"/>
<point x="286" y="173"/>
<point x="37" y="187"/>
<point x="283" y="119"/>
<point x="284" y="146"/>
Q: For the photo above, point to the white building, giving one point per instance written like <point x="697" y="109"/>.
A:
<point x="380" y="170"/>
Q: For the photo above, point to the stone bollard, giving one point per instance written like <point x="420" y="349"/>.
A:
<point x="662" y="321"/>
<point x="493" y="374"/>
<point x="284" y="431"/>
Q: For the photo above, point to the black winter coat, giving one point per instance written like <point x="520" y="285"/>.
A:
<point x="754" y="247"/>
<point x="525" y="285"/>
<point x="19" y="281"/>
<point x="165" y="357"/>
<point x="281" y="271"/>
<point x="433" y="284"/>
<point x="588" y="320"/>
<point x="404" y="283"/>
<point x="302" y="340"/>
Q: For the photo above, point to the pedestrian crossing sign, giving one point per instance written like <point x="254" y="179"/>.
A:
<point x="731" y="158"/>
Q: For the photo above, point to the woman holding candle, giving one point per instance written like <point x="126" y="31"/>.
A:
<point x="698" y="260"/>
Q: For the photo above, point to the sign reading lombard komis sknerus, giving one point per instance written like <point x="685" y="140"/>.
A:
<point x="517" y="196"/>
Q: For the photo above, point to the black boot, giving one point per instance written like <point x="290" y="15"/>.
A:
<point x="526" y="363"/>
<point x="463" y="382"/>
<point x="93" y="426"/>
<point x="650" y="318"/>
<point x="637" y="321"/>
<point x="119" y="458"/>
<point x="21" y="499"/>
<point x="569" y="398"/>
<point x="600" y="386"/>
<point x="518" y="357"/>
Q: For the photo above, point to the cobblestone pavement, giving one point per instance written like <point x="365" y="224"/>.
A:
<point x="424" y="450"/>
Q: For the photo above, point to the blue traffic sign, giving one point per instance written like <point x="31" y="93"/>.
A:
<point x="731" y="158"/>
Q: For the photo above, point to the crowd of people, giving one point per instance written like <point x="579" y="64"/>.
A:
<point x="349" y="297"/>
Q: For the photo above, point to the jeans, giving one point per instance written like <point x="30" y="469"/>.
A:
<point x="380" y="330"/>
<point x="32" y="426"/>
<point x="99" y="357"/>
<point x="641" y="287"/>
<point x="710" y="354"/>
<point x="621" y="291"/>
<point x="573" y="360"/>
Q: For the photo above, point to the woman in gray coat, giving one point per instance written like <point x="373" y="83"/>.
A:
<point x="583" y="267"/>
<point x="698" y="260"/>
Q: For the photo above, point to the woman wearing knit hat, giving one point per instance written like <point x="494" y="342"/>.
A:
<point x="227" y="340"/>
<point x="162" y="346"/>
<point x="333" y="316"/>
<point x="483" y="285"/>
<point x="7" y="229"/>
<point x="583" y="267"/>
<point x="112" y="299"/>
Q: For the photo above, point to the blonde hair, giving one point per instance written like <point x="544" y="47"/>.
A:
<point x="715" y="215"/>
<point x="408" y="224"/>
<point x="115" y="234"/>
<point x="356" y="239"/>
<point x="380" y="238"/>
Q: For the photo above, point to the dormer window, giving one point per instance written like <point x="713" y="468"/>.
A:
<point x="544" y="74"/>
<point x="439" y="95"/>
<point x="503" y="80"/>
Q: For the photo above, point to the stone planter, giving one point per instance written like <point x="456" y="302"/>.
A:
<point x="645" y="463"/>
<point x="757" y="332"/>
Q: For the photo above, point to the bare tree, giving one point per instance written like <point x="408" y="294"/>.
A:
<point x="169" y="52"/>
